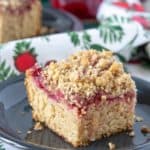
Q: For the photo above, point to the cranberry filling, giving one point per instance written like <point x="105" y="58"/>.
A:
<point x="81" y="105"/>
<point x="36" y="74"/>
<point x="96" y="99"/>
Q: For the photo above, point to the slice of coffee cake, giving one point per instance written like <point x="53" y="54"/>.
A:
<point x="19" y="19"/>
<point x="82" y="98"/>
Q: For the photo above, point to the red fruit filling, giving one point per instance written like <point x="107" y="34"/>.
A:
<point x="55" y="95"/>
<point x="79" y="102"/>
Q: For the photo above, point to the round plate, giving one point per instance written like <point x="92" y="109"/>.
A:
<point x="16" y="120"/>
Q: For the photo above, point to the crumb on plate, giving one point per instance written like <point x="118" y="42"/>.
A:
<point x="111" y="146"/>
<point x="38" y="126"/>
<point x="132" y="133"/>
<point x="29" y="132"/>
<point x="145" y="129"/>
<point x="138" y="118"/>
<point x="19" y="132"/>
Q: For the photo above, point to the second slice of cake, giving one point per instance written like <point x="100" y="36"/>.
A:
<point x="83" y="98"/>
<point x="19" y="19"/>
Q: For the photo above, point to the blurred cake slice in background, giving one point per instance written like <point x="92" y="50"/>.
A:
<point x="19" y="19"/>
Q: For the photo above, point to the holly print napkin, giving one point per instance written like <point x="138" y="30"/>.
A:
<point x="118" y="34"/>
<point x="135" y="11"/>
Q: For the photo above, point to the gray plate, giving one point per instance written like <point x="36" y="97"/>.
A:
<point x="16" y="120"/>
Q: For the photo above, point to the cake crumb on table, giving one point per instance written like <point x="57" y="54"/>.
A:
<point x="38" y="126"/>
<point x="111" y="146"/>
<point x="145" y="129"/>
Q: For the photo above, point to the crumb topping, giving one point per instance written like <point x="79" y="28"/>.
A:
<point x="87" y="72"/>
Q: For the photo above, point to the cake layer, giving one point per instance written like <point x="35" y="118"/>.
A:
<point x="105" y="119"/>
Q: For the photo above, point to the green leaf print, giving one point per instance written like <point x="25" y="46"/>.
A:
<point x="111" y="33"/>
<point x="111" y="30"/>
<point x="117" y="19"/>
<point x="97" y="47"/>
<point x="1" y="146"/>
<point x="23" y="46"/>
<point x="5" y="71"/>
<point x="86" y="39"/>
<point x="74" y="38"/>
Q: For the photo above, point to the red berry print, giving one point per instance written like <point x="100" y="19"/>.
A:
<point x="138" y="7"/>
<point x="25" y="61"/>
<point x="143" y="21"/>
<point x="122" y="4"/>
<point x="24" y="57"/>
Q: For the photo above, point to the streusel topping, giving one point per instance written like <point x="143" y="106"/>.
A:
<point x="85" y="73"/>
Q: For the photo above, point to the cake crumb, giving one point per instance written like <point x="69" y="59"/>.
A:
<point x="22" y="113"/>
<point x="132" y="133"/>
<point x="44" y="30"/>
<point x="138" y="118"/>
<point x="19" y="132"/>
<point x="38" y="126"/>
<point x="145" y="129"/>
<point x="29" y="132"/>
<point x="111" y="146"/>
